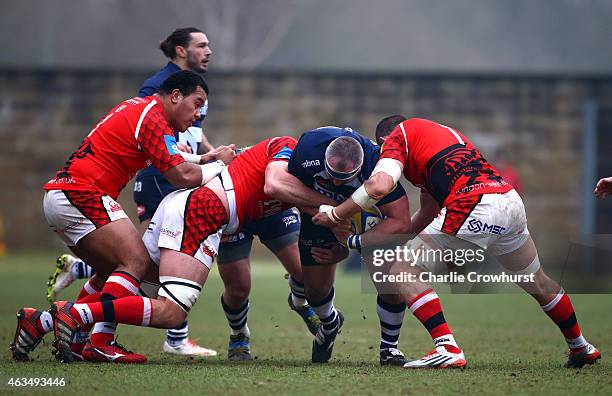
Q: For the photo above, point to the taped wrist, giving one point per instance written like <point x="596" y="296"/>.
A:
<point x="330" y="212"/>
<point x="190" y="157"/>
<point x="361" y="198"/>
<point x="211" y="170"/>
<point x="354" y="242"/>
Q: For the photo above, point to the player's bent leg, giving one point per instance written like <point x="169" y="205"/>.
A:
<point x="181" y="279"/>
<point x="319" y="290"/>
<point x="67" y="269"/>
<point x="553" y="301"/>
<point x="427" y="309"/>
<point x="116" y="245"/>
<point x="424" y="304"/>
<point x="287" y="251"/>
<point x="390" y="309"/>
<point x="177" y="340"/>
<point x="236" y="276"/>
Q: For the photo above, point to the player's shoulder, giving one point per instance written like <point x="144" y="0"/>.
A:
<point x="152" y="84"/>
<point x="281" y="147"/>
<point x="323" y="135"/>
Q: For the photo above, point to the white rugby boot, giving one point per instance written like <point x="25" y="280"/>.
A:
<point x="438" y="358"/>
<point x="188" y="348"/>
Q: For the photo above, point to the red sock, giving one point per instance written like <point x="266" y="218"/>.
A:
<point x="133" y="310"/>
<point x="44" y="323"/>
<point x="88" y="289"/>
<point x="89" y="299"/>
<point x="561" y="311"/>
<point x="119" y="284"/>
<point x="427" y="309"/>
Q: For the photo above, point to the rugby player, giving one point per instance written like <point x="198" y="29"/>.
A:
<point x="334" y="162"/>
<point x="189" y="49"/>
<point x="453" y="176"/>
<point x="183" y="238"/>
<point x="80" y="206"/>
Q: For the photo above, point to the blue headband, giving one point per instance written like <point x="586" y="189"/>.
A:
<point x="341" y="175"/>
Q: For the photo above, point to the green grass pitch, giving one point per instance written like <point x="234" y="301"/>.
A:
<point x="511" y="346"/>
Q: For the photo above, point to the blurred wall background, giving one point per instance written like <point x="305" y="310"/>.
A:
<point x="526" y="80"/>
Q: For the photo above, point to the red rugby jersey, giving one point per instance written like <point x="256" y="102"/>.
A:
<point x="248" y="175"/>
<point x="131" y="136"/>
<point x="442" y="161"/>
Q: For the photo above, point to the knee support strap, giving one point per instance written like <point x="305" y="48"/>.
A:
<point x="183" y="292"/>
<point x="532" y="268"/>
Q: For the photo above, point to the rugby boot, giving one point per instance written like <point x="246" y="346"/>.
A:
<point x="392" y="357"/>
<point x="65" y="328"/>
<point x="308" y="315"/>
<point x="439" y="358"/>
<point x="323" y="344"/>
<point x="188" y="348"/>
<point x="112" y="352"/>
<point x="27" y="335"/>
<point x="239" y="348"/>
<point x="62" y="276"/>
<point x="589" y="355"/>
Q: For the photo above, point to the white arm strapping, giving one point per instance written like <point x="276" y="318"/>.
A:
<point x="211" y="170"/>
<point x="190" y="157"/>
<point x="390" y="167"/>
<point x="361" y="198"/>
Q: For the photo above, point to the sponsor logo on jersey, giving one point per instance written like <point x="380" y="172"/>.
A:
<point x="476" y="225"/>
<point x="284" y="153"/>
<point x="170" y="233"/>
<point x="114" y="207"/>
<point x="135" y="101"/>
<point x="309" y="163"/>
<point x="62" y="180"/>
<point x="171" y="144"/>
<point x="206" y="250"/>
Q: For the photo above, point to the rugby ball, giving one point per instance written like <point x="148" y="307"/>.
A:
<point x="366" y="220"/>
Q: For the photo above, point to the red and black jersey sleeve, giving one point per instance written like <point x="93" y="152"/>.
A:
<point x="157" y="140"/>
<point x="395" y="146"/>
<point x="281" y="148"/>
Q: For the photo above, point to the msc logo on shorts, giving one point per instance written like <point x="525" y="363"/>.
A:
<point x="288" y="220"/>
<point x="476" y="225"/>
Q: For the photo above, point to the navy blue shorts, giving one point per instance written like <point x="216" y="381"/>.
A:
<point x="313" y="236"/>
<point x="276" y="232"/>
